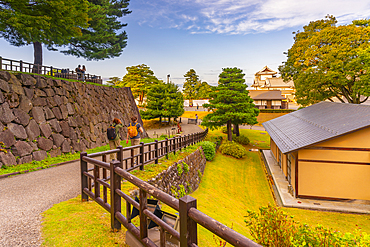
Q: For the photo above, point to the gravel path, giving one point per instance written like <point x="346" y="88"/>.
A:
<point x="24" y="197"/>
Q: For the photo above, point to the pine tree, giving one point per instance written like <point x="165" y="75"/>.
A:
<point x="230" y="102"/>
<point x="163" y="100"/>
<point x="191" y="85"/>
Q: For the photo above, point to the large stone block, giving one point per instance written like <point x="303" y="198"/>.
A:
<point x="51" y="102"/>
<point x="25" y="104"/>
<point x="58" y="100"/>
<point x="4" y="85"/>
<point x="65" y="128"/>
<point x="66" y="147"/>
<point x="21" y="148"/>
<point x="39" y="155"/>
<point x="72" y="134"/>
<point x="39" y="93"/>
<point x="45" y="129"/>
<point x="49" y="92"/>
<point x="72" y="122"/>
<point x="13" y="99"/>
<point x="44" y="144"/>
<point x="70" y="109"/>
<point x="58" y="139"/>
<point x="7" y="159"/>
<point x="29" y="92"/>
<point x="55" y="126"/>
<point x="59" y="91"/>
<point x="1" y="97"/>
<point x="21" y="117"/>
<point x="38" y="114"/>
<point x="41" y="83"/>
<point x="63" y="109"/>
<point x="7" y="137"/>
<point x="6" y="115"/>
<point x="25" y="159"/>
<point x="18" y="131"/>
<point x="32" y="130"/>
<point x="48" y="113"/>
<point x="26" y="79"/>
<point x="57" y="113"/>
<point x="55" y="152"/>
<point x="17" y="88"/>
<point x="39" y="101"/>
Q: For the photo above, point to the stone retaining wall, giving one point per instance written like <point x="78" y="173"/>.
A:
<point x="40" y="116"/>
<point x="171" y="182"/>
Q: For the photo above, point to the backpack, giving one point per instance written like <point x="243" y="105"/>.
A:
<point x="111" y="133"/>
<point x="132" y="130"/>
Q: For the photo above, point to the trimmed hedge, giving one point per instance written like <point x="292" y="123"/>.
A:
<point x="242" y="139"/>
<point x="233" y="149"/>
<point x="209" y="149"/>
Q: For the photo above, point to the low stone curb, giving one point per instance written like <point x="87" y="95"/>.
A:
<point x="36" y="169"/>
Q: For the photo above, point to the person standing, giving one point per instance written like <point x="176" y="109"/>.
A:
<point x="78" y="72"/>
<point x="133" y="132"/>
<point x="196" y="119"/>
<point x="114" y="136"/>
<point x="83" y="70"/>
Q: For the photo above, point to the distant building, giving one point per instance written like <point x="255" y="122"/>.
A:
<point x="266" y="79"/>
<point x="324" y="150"/>
<point x="271" y="99"/>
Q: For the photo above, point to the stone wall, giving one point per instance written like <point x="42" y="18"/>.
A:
<point x="172" y="183"/>
<point x="41" y="116"/>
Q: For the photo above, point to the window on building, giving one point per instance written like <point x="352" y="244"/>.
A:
<point x="290" y="160"/>
<point x="280" y="158"/>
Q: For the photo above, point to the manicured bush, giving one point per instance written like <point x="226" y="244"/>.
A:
<point x="209" y="149"/>
<point x="233" y="149"/>
<point x="273" y="227"/>
<point x="242" y="139"/>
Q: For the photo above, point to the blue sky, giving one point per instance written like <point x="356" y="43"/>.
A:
<point x="173" y="36"/>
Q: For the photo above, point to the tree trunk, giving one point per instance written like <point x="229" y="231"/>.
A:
<point x="37" y="55"/>
<point x="236" y="130"/>
<point x="229" y="134"/>
<point x="160" y="119"/>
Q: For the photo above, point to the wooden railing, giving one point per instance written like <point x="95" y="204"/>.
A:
<point x="189" y="215"/>
<point x="13" y="65"/>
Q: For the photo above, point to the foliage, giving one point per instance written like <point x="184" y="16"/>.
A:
<point x="87" y="28"/>
<point x="185" y="167"/>
<point x="209" y="149"/>
<point x="140" y="79"/>
<point x="204" y="90"/>
<point x="179" y="169"/>
<point x="233" y="149"/>
<point x="327" y="61"/>
<point x="191" y="85"/>
<point x="273" y="227"/>
<point x="230" y="102"/>
<point x="163" y="100"/>
<point x="241" y="139"/>
<point x="114" y="80"/>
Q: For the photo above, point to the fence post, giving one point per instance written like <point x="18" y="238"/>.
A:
<point x="166" y="148"/>
<point x="142" y="156"/>
<point x="120" y="155"/>
<point x="192" y="135"/>
<point x="115" y="199"/>
<point x="156" y="151"/>
<point x="188" y="227"/>
<point x="21" y="65"/>
<point x="83" y="165"/>
<point x="143" y="221"/>
<point x="1" y="62"/>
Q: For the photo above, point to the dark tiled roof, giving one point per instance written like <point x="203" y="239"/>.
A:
<point x="316" y="123"/>
<point x="265" y="94"/>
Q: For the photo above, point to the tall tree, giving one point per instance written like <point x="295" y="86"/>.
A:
<point x="324" y="62"/>
<point x="140" y="79"/>
<point x="191" y="85"/>
<point x="88" y="28"/>
<point x="203" y="91"/>
<point x="114" y="81"/>
<point x="230" y="102"/>
<point x="163" y="100"/>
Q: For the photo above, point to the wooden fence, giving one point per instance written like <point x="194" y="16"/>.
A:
<point x="13" y="65"/>
<point x="115" y="171"/>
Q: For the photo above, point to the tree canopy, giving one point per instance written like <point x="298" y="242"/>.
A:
<point x="325" y="62"/>
<point x="191" y="85"/>
<point x="163" y="100"/>
<point x="230" y="102"/>
<point x="88" y="28"/>
<point x="140" y="79"/>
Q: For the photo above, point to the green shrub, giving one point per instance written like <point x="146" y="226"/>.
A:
<point x="179" y="169"/>
<point x="233" y="149"/>
<point x="273" y="227"/>
<point x="224" y="129"/>
<point x="185" y="167"/>
<point x="209" y="149"/>
<point x="242" y="139"/>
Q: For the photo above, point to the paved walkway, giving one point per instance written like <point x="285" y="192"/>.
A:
<point x="285" y="199"/>
<point x="24" y="197"/>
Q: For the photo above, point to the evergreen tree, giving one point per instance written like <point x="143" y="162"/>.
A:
<point x="163" y="100"/>
<point x="114" y="81"/>
<point x="191" y="85"/>
<point x="140" y="79"/>
<point x="88" y="28"/>
<point x="203" y="91"/>
<point x="230" y="102"/>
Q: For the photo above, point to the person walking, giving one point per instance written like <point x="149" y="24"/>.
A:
<point x="133" y="132"/>
<point x="114" y="136"/>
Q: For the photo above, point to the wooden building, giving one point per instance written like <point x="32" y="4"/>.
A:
<point x="266" y="79"/>
<point x="324" y="150"/>
<point x="271" y="99"/>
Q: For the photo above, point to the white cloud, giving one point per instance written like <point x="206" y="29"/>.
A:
<point x="248" y="16"/>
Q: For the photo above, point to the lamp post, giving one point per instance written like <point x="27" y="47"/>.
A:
<point x="168" y="78"/>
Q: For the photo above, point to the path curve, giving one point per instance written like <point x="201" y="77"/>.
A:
<point x="24" y="197"/>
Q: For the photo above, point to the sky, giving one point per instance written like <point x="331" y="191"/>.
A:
<point x="174" y="36"/>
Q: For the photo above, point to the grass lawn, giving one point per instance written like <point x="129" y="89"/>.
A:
<point x="264" y="117"/>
